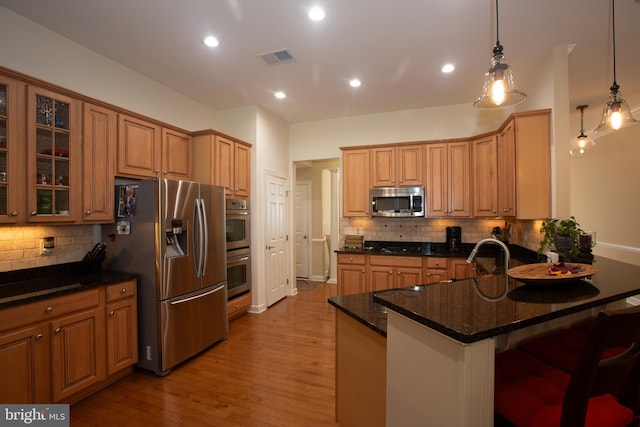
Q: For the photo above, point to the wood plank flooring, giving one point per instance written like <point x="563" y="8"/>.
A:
<point x="276" y="368"/>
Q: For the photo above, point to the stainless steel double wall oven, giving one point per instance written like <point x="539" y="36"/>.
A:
<point x="238" y="247"/>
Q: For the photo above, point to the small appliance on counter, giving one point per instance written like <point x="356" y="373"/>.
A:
<point x="454" y="239"/>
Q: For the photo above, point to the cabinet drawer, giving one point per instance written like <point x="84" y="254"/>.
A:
<point x="396" y="261"/>
<point x="121" y="290"/>
<point x="48" y="309"/>
<point x="351" y="259"/>
<point x="239" y="305"/>
<point x="434" y="262"/>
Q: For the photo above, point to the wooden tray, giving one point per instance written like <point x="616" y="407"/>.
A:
<point x="539" y="273"/>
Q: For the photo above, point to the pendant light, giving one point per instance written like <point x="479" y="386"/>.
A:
<point x="498" y="91"/>
<point x="582" y="144"/>
<point x="616" y="113"/>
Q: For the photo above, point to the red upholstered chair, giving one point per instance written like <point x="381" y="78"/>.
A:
<point x="530" y="392"/>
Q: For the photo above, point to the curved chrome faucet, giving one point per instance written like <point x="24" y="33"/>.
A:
<point x="507" y="255"/>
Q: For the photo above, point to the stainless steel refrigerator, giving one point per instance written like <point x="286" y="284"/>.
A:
<point x="172" y="234"/>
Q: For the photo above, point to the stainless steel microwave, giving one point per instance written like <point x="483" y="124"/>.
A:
<point x="397" y="202"/>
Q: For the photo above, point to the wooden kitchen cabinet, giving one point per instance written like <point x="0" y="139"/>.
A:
<point x="12" y="149"/>
<point x="507" y="171"/>
<point x="484" y="175"/>
<point x="77" y="353"/>
<point x="121" y="326"/>
<point x="400" y="166"/>
<point x="533" y="164"/>
<point x="458" y="268"/>
<point x="236" y="307"/>
<point x="436" y="270"/>
<point x="139" y="147"/>
<point x="99" y="144"/>
<point x="387" y="272"/>
<point x="224" y="161"/>
<point x="355" y="183"/>
<point x="352" y="274"/>
<point x="177" y="155"/>
<point x="25" y="365"/>
<point x="54" y="164"/>
<point x="58" y="350"/>
<point x="448" y="184"/>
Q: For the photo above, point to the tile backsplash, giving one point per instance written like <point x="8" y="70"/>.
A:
<point x="21" y="247"/>
<point x="523" y="232"/>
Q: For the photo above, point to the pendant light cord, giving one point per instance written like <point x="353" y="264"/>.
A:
<point x="498" y="25"/>
<point x="613" y="31"/>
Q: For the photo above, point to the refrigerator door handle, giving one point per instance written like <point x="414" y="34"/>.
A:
<point x="197" y="241"/>
<point x="180" y="301"/>
<point x="205" y="237"/>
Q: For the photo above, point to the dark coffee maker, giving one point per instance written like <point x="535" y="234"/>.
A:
<point x="454" y="239"/>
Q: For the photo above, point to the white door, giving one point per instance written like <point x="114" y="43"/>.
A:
<point x="303" y="196"/>
<point x="276" y="238"/>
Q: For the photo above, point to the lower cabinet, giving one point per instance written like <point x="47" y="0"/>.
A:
<point x="386" y="272"/>
<point x="61" y="349"/>
<point x="238" y="306"/>
<point x="352" y="274"/>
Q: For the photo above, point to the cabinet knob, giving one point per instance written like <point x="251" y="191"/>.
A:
<point x="350" y="258"/>
<point x="493" y="211"/>
<point x="391" y="272"/>
<point x="14" y="213"/>
<point x="363" y="270"/>
<point x="39" y="336"/>
<point x="123" y="291"/>
<point x="57" y="330"/>
<point x="87" y="213"/>
<point x="398" y="273"/>
<point x="111" y="313"/>
<point x="48" y="309"/>
<point x="156" y="171"/>
<point x="34" y="213"/>
<point x="165" y="172"/>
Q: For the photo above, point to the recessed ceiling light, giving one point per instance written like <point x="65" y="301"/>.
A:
<point x="355" y="83"/>
<point x="211" y="41"/>
<point x="316" y="14"/>
<point x="447" y="68"/>
<point x="280" y="95"/>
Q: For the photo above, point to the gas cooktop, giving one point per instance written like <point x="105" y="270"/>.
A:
<point x="393" y="247"/>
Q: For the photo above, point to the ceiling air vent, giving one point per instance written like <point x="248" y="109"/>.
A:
<point x="276" y="57"/>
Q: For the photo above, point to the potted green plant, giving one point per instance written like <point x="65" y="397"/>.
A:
<point x="561" y="235"/>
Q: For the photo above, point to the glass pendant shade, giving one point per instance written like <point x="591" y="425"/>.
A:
<point x="582" y="145"/>
<point x="616" y="113"/>
<point x="498" y="90"/>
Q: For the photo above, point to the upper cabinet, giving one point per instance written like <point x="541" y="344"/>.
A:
<point x="447" y="180"/>
<point x="399" y="166"/>
<point x="12" y="209"/>
<point x="99" y="143"/>
<point x="355" y="183"/>
<point x="146" y="150"/>
<point x="177" y="154"/>
<point x="533" y="164"/>
<point x="139" y="147"/>
<point x="507" y="171"/>
<point x="484" y="175"/>
<point x="53" y="156"/>
<point x="223" y="161"/>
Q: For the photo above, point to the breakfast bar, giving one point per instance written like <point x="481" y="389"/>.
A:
<point x="441" y="338"/>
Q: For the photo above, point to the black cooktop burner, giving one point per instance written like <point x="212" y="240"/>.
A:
<point x="393" y="247"/>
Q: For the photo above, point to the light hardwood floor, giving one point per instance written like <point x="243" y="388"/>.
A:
<point x="276" y="368"/>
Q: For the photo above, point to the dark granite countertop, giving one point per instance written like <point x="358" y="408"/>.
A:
<point x="475" y="309"/>
<point x="24" y="286"/>
<point x="464" y="309"/>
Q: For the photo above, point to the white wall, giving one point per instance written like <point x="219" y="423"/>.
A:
<point x="35" y="51"/>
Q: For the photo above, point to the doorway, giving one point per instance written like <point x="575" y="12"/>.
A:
<point x="303" y="215"/>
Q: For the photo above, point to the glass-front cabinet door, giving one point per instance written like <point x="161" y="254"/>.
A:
<point x="53" y="156"/>
<point x="11" y="174"/>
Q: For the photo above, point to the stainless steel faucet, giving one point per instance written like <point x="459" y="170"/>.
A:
<point x="507" y="255"/>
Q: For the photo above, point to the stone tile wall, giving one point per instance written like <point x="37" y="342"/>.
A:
<point x="20" y="247"/>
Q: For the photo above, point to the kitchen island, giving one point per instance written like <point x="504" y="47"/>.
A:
<point x="441" y="338"/>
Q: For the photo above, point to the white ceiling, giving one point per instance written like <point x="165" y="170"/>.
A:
<point x="395" y="47"/>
